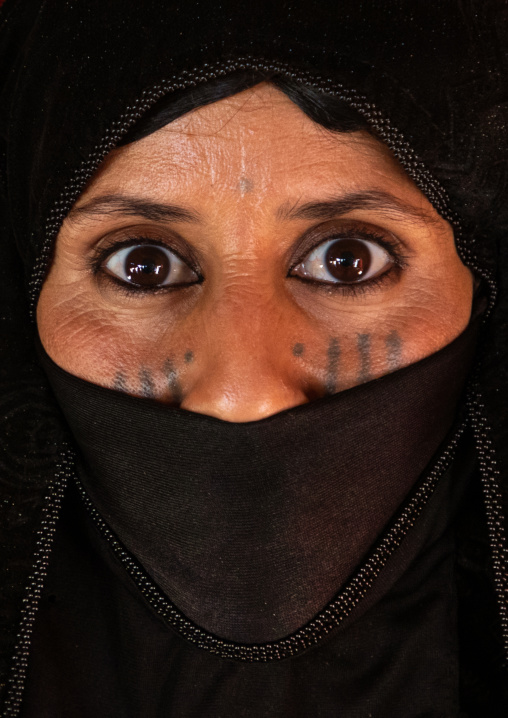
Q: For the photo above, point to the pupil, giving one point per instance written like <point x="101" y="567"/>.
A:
<point x="348" y="260"/>
<point x="147" y="266"/>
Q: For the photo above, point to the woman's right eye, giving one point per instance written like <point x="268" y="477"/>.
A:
<point x="149" y="266"/>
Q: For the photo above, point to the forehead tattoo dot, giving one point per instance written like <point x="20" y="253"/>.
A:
<point x="298" y="349"/>
<point x="245" y="185"/>
<point x="188" y="356"/>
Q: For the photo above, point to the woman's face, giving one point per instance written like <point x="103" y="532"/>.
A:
<point x="243" y="260"/>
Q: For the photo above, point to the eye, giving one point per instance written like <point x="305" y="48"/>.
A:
<point x="149" y="266"/>
<point x="344" y="260"/>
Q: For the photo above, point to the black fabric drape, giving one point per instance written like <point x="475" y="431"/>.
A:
<point x="250" y="531"/>
<point x="74" y="76"/>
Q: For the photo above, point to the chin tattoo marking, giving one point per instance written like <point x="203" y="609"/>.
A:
<point x="188" y="357"/>
<point x="147" y="384"/>
<point x="172" y="378"/>
<point x="393" y="350"/>
<point x="332" y="369"/>
<point x="363" y="343"/>
<point x="298" y="349"/>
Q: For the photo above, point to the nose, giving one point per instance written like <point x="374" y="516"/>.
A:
<point x="247" y="369"/>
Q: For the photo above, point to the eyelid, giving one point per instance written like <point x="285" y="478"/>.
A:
<point x="177" y="274"/>
<point x="395" y="247"/>
<point x="378" y="257"/>
<point x="103" y="251"/>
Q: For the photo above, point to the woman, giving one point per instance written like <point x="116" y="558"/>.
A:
<point x="257" y="299"/>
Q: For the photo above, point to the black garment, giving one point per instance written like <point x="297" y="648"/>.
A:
<point x="293" y="532"/>
<point x="75" y="76"/>
<point x="252" y="528"/>
<point x="100" y="649"/>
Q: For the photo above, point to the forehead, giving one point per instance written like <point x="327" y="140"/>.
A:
<point x="257" y="142"/>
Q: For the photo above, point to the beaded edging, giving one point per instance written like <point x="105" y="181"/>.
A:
<point x="326" y="620"/>
<point x="492" y="497"/>
<point x="44" y="544"/>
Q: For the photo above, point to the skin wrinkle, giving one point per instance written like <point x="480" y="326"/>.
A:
<point x="243" y="315"/>
<point x="238" y="103"/>
<point x="79" y="328"/>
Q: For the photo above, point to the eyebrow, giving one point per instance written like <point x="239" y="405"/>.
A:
<point x="133" y="207"/>
<point x="373" y="199"/>
<point x="327" y="209"/>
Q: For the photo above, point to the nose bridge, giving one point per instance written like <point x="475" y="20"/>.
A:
<point x="248" y="370"/>
<point x="247" y="313"/>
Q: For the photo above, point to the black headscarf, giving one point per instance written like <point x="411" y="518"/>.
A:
<point x="430" y="78"/>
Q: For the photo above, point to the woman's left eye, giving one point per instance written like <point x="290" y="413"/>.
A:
<point x="149" y="266"/>
<point x="344" y="260"/>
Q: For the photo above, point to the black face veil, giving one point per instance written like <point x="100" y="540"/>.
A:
<point x="75" y="77"/>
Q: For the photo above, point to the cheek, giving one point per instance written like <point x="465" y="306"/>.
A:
<point x="437" y="307"/>
<point x="368" y="337"/>
<point x="108" y="347"/>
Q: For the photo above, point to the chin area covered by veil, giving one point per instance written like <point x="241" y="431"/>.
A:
<point x="344" y="555"/>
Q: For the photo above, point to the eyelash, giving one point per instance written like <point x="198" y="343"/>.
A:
<point x="101" y="255"/>
<point x="391" y="245"/>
